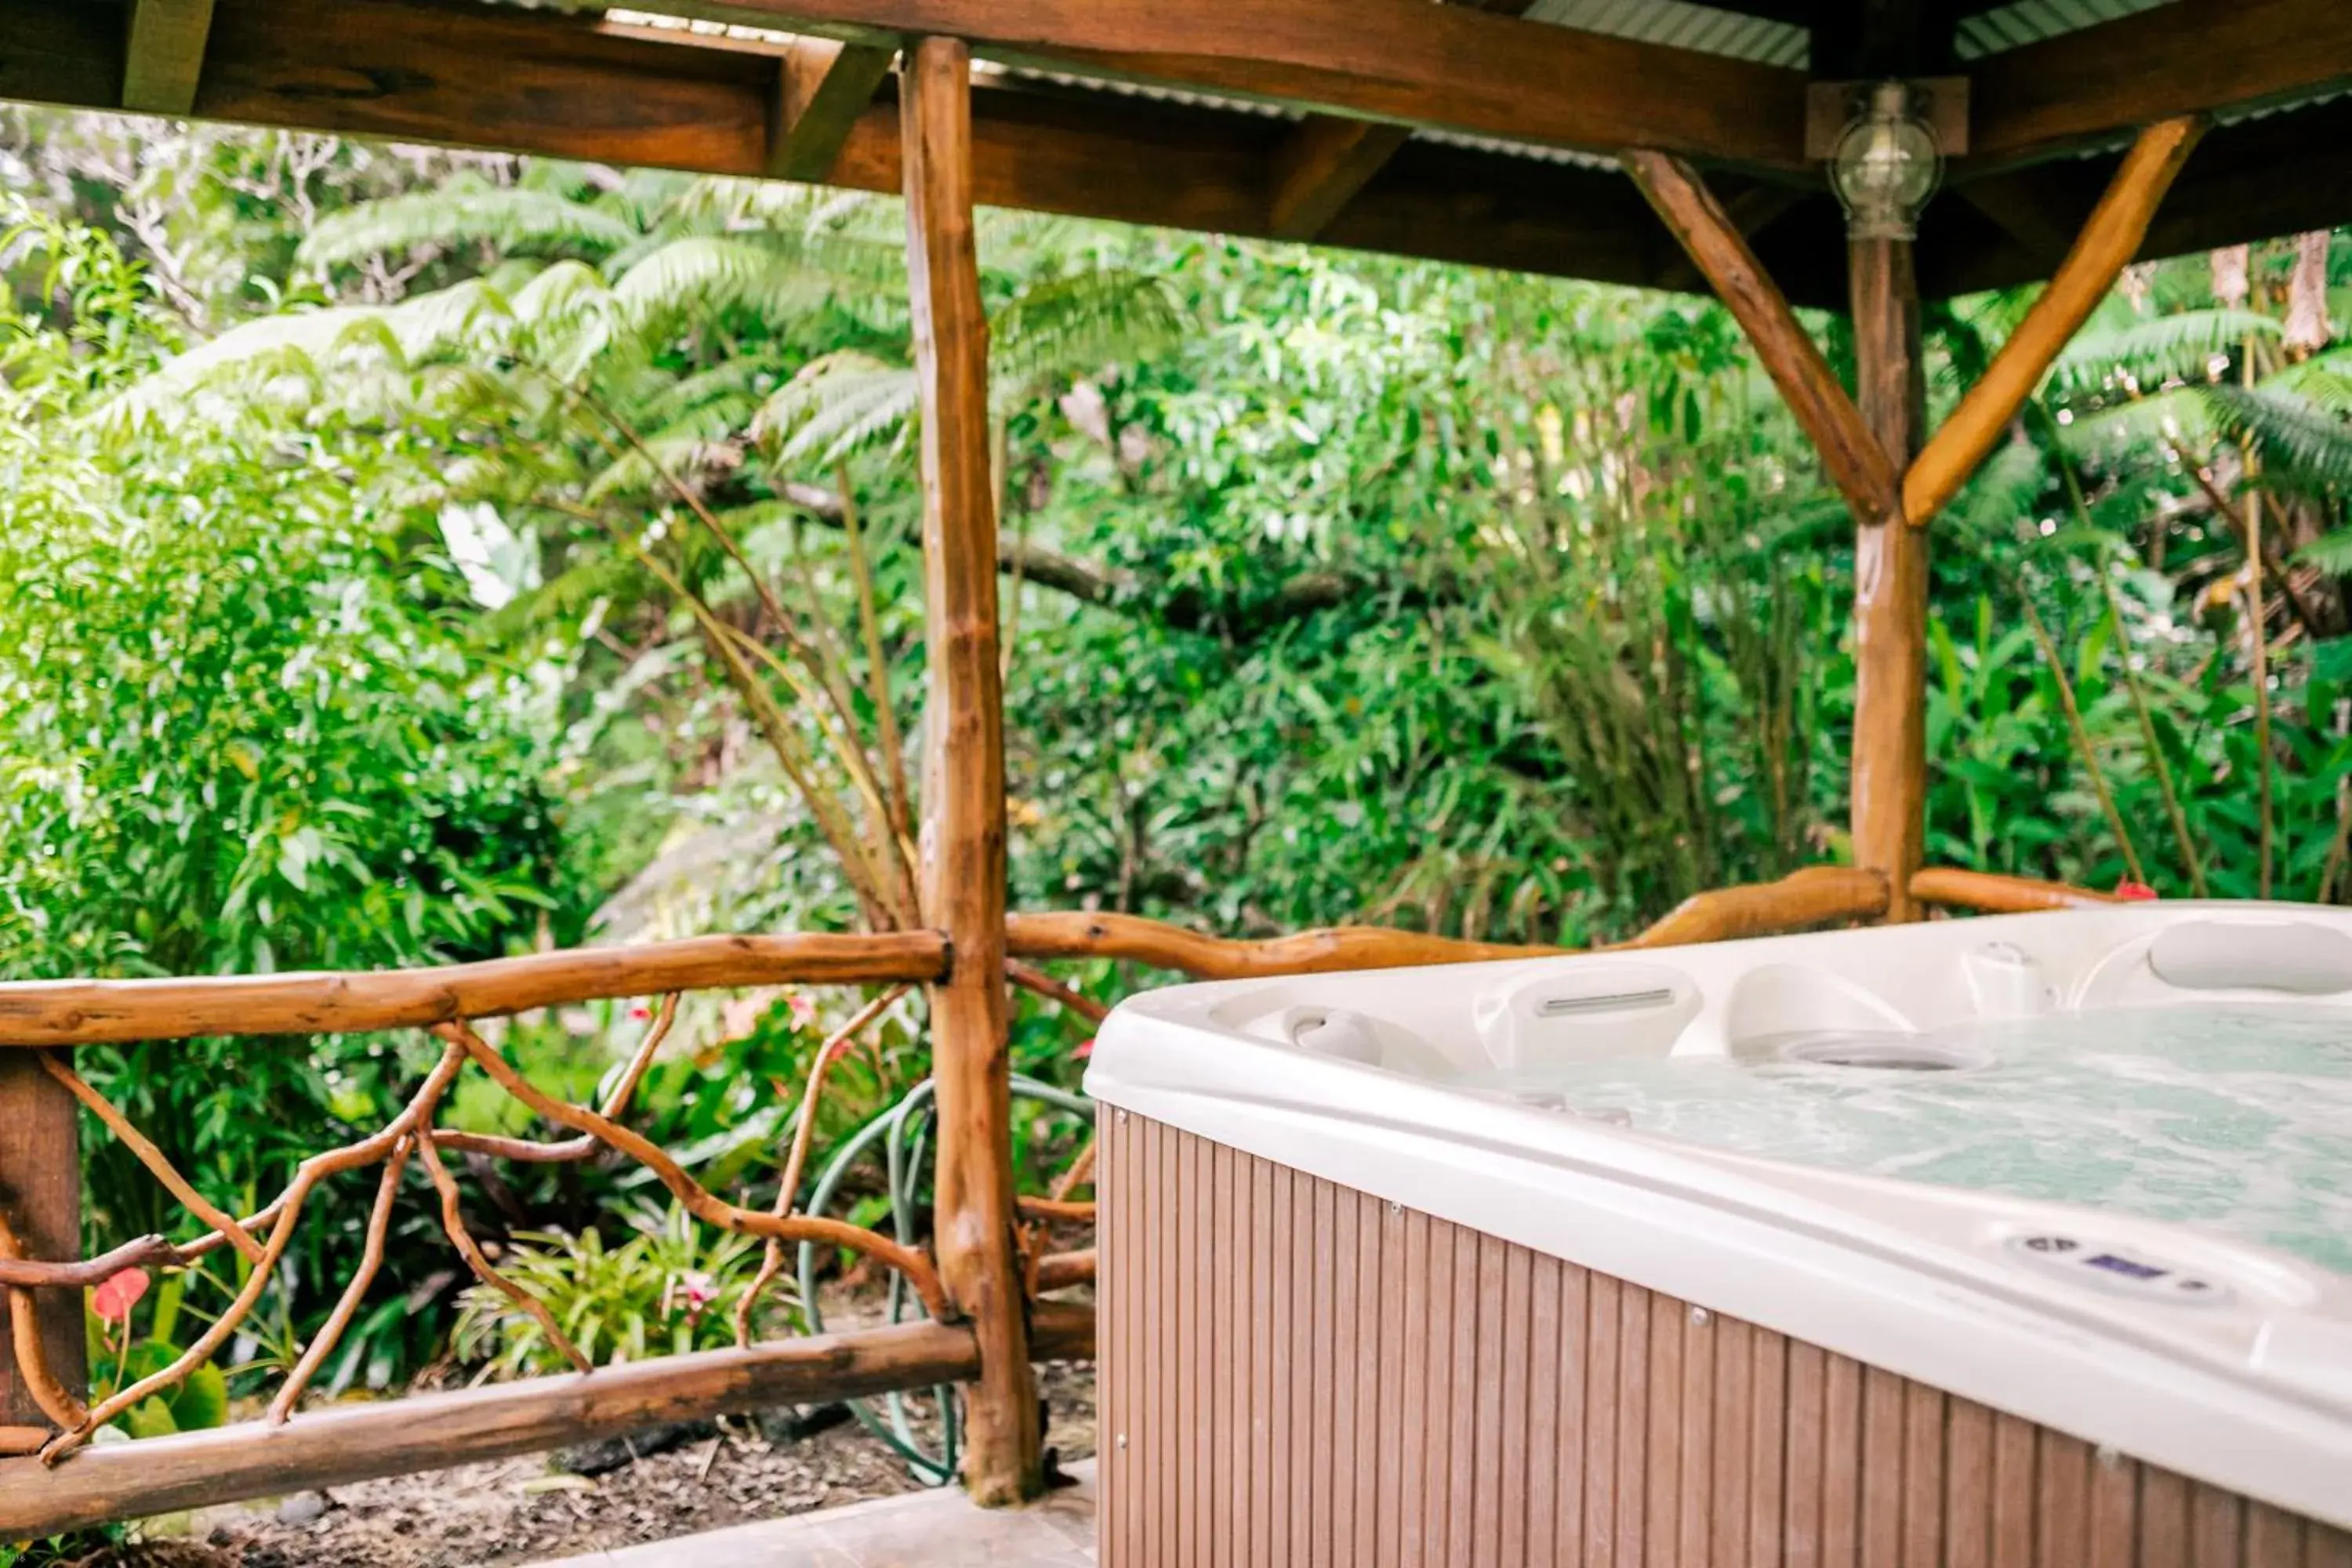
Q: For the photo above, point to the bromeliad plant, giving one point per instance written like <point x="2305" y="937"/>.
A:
<point x="667" y="1287"/>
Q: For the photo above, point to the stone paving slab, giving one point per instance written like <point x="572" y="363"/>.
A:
<point x="927" y="1530"/>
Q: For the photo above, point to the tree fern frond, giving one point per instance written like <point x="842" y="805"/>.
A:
<point x="748" y="376"/>
<point x="687" y="449"/>
<point x="467" y="210"/>
<point x="264" y="345"/>
<point x="2305" y="448"/>
<point x="719" y="272"/>
<point x="2331" y="553"/>
<point x="2177" y="418"/>
<point x="1074" y="325"/>
<point x="2005" y="489"/>
<point x="2161" y="348"/>
<point x="839" y="404"/>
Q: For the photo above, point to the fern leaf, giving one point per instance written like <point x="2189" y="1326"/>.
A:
<point x="516" y="218"/>
<point x="839" y="404"/>
<point x="2331" y="553"/>
<point x="2305" y="448"/>
<point x="2161" y="348"/>
<point x="1077" y="324"/>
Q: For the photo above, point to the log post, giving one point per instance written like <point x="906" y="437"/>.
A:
<point x="40" y="1187"/>
<point x="1890" y="583"/>
<point x="963" y="775"/>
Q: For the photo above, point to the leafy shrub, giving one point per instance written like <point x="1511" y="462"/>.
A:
<point x="672" y="1286"/>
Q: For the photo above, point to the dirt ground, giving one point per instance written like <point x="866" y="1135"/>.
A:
<point x="526" y="1510"/>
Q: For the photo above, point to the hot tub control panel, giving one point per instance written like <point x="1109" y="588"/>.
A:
<point x="2087" y="1260"/>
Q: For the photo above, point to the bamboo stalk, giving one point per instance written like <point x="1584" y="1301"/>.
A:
<point x="2081" y="733"/>
<point x="878" y="665"/>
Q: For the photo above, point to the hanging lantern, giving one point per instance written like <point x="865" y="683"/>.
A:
<point x="1885" y="166"/>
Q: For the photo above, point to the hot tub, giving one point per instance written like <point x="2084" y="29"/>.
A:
<point x="2007" y="1241"/>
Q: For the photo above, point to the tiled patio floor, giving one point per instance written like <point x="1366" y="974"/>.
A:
<point x="931" y="1530"/>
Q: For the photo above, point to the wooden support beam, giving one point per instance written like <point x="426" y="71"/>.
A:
<point x="1751" y="212"/>
<point x="40" y="1192"/>
<point x="2107" y="245"/>
<point x="1889" y="760"/>
<point x="350" y="1443"/>
<point x="164" y="55"/>
<point x="104" y="1011"/>
<point x="822" y="89"/>
<point x="2094" y="86"/>
<point x="542" y="82"/>
<point x="1851" y="456"/>
<point x="1322" y="164"/>
<point x="1404" y="61"/>
<point x="963" y="833"/>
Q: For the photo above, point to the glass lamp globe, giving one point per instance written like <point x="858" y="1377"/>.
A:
<point x="1885" y="166"/>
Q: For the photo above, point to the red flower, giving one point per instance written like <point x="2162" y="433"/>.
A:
<point x="641" y="1011"/>
<point x="113" y="1300"/>
<point x="2134" y="892"/>
<point x="1086" y="1048"/>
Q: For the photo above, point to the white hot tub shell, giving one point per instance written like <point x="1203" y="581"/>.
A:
<point x="1374" y="1291"/>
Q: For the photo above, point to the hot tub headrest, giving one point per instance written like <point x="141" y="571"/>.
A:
<point x="2298" y="956"/>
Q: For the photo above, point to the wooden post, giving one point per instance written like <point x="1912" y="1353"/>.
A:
<point x="1890" y="583"/>
<point x="963" y="775"/>
<point x="40" y="1184"/>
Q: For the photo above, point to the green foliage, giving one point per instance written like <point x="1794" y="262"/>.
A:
<point x="667" y="1288"/>
<point x="420" y="551"/>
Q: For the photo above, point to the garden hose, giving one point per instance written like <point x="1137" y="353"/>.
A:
<point x="904" y="1130"/>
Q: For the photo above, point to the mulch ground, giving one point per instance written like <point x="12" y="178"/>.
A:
<point x="527" y="1511"/>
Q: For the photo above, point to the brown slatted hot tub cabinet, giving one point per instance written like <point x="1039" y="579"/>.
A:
<point x="1296" y="1373"/>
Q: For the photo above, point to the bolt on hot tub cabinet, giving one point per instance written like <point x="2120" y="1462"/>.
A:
<point x="1295" y="1370"/>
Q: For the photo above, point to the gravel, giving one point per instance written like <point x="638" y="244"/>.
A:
<point x="527" y="1511"/>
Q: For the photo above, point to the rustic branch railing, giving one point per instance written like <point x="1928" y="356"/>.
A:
<point x="109" y="1011"/>
<point x="322" y="1447"/>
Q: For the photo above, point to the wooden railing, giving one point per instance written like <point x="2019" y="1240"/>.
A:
<point x="58" y="1483"/>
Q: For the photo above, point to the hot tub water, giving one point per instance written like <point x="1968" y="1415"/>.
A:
<point x="2236" y="1119"/>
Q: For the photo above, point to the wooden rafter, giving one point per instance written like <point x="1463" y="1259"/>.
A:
<point x="821" y="89"/>
<point x="164" y="54"/>
<point x="1322" y="164"/>
<point x="2194" y="56"/>
<point x="2107" y="245"/>
<point x="1403" y="61"/>
<point x="1852" y="456"/>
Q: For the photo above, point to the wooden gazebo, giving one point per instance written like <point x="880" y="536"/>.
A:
<point x="1545" y="135"/>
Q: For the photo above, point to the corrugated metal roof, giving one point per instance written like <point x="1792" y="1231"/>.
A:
<point x="1706" y="28"/>
<point x="2026" y="22"/>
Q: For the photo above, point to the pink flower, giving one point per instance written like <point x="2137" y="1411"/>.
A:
<point x="838" y="1049"/>
<point x="113" y="1300"/>
<point x="1086" y="1048"/>
<point x="2134" y="892"/>
<point x="802" y="1007"/>
<point x="695" y="1291"/>
<point x="641" y="1011"/>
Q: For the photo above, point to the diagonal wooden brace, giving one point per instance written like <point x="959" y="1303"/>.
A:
<point x="1850" y="454"/>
